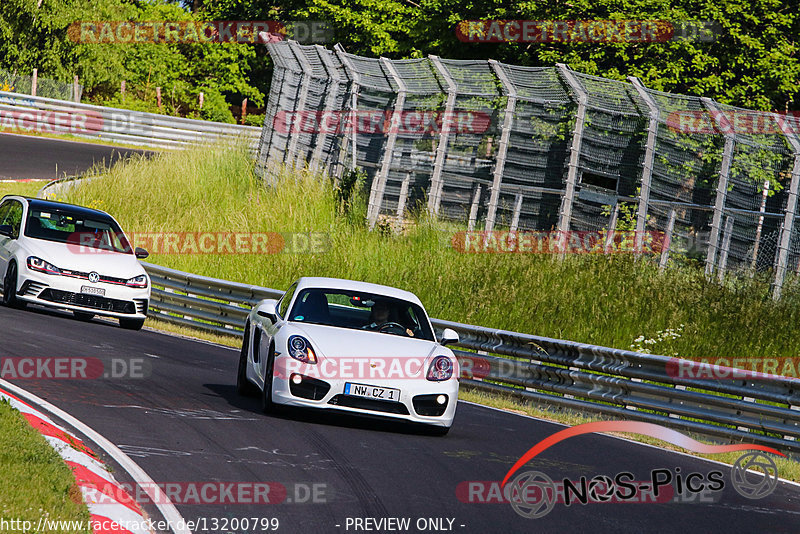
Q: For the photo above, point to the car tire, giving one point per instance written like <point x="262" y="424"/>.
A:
<point x="131" y="324"/>
<point x="10" y="288"/>
<point x="266" y="392"/>
<point x="83" y="316"/>
<point x="244" y="387"/>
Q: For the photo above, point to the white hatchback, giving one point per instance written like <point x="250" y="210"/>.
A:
<point x="65" y="256"/>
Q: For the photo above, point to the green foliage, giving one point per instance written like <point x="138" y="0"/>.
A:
<point x="37" y="37"/>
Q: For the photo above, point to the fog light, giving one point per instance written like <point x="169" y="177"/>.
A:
<point x="297" y="379"/>
<point x="441" y="399"/>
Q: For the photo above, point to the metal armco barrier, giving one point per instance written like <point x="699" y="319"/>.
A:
<point x="46" y="115"/>
<point x="746" y="406"/>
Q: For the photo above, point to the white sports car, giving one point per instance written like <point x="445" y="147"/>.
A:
<point x="352" y="346"/>
<point x="65" y="256"/>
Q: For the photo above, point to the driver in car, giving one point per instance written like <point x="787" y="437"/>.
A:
<point x="379" y="316"/>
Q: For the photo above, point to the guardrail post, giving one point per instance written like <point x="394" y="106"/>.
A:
<point x="791" y="209"/>
<point x="355" y="86"/>
<point x="292" y="155"/>
<point x="724" y="126"/>
<point x="647" y="164"/>
<point x="502" y="148"/>
<point x="330" y="101"/>
<point x="437" y="183"/>
<point x="667" y="242"/>
<point x="568" y="199"/>
<point x="379" y="184"/>
<point x="726" y="243"/>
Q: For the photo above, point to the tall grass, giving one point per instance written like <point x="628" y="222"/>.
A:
<point x="606" y="300"/>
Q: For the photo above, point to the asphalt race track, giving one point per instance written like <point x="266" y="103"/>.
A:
<point x="184" y="423"/>
<point x="23" y="157"/>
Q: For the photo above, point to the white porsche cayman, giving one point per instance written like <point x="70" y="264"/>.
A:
<point x="352" y="346"/>
<point x="66" y="256"/>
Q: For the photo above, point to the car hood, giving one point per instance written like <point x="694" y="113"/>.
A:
<point x="332" y="342"/>
<point x="85" y="259"/>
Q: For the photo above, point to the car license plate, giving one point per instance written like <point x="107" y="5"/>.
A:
<point x="89" y="290"/>
<point x="372" y="392"/>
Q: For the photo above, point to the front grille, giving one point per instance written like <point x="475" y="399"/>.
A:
<point x="374" y="405"/>
<point x="88" y="301"/>
<point x="31" y="288"/>
<point x="141" y="306"/>
<point x="85" y="276"/>
<point x="427" y="405"/>
<point x="310" y="388"/>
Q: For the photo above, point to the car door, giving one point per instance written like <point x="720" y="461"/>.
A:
<point x="9" y="210"/>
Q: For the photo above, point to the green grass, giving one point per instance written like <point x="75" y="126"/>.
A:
<point x="36" y="481"/>
<point x="605" y="300"/>
<point x="28" y="189"/>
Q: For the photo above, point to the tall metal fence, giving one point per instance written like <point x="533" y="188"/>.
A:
<point x="35" y="85"/>
<point x="497" y="146"/>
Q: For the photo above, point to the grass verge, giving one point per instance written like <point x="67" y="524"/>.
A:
<point x="36" y="481"/>
<point x="606" y="300"/>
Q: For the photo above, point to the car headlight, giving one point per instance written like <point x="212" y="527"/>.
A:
<point x="300" y="349"/>
<point x="137" y="281"/>
<point x="441" y="368"/>
<point x="39" y="265"/>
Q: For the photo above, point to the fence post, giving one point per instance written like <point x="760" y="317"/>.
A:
<point x="517" y="212"/>
<point x="355" y="86"/>
<point x="502" y="149"/>
<point x="435" y="194"/>
<point x="612" y="228"/>
<point x="76" y="90"/>
<point x="667" y="243"/>
<point x="791" y="208"/>
<point x="158" y="97"/>
<point x="473" y="210"/>
<point x="725" y="127"/>
<point x="647" y="164"/>
<point x="34" y="81"/>
<point x="305" y="77"/>
<point x="567" y="201"/>
<point x="379" y="183"/>
<point x="726" y="244"/>
<point x="332" y="89"/>
<point x="401" y="202"/>
<point x="759" y="228"/>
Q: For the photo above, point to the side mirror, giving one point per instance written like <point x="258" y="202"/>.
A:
<point x="6" y="230"/>
<point x="141" y="253"/>
<point x="449" y="336"/>
<point x="266" y="309"/>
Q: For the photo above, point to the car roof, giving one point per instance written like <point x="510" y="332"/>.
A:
<point x="41" y="204"/>
<point x="352" y="285"/>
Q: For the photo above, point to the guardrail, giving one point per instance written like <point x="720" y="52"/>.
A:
<point x="748" y="407"/>
<point x="47" y="115"/>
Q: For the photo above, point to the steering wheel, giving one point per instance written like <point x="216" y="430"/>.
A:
<point x="391" y="325"/>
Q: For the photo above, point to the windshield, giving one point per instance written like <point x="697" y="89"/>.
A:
<point x="65" y="226"/>
<point x="361" y="311"/>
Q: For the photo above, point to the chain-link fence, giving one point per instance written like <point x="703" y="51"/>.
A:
<point x="505" y="147"/>
<point x="45" y="87"/>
